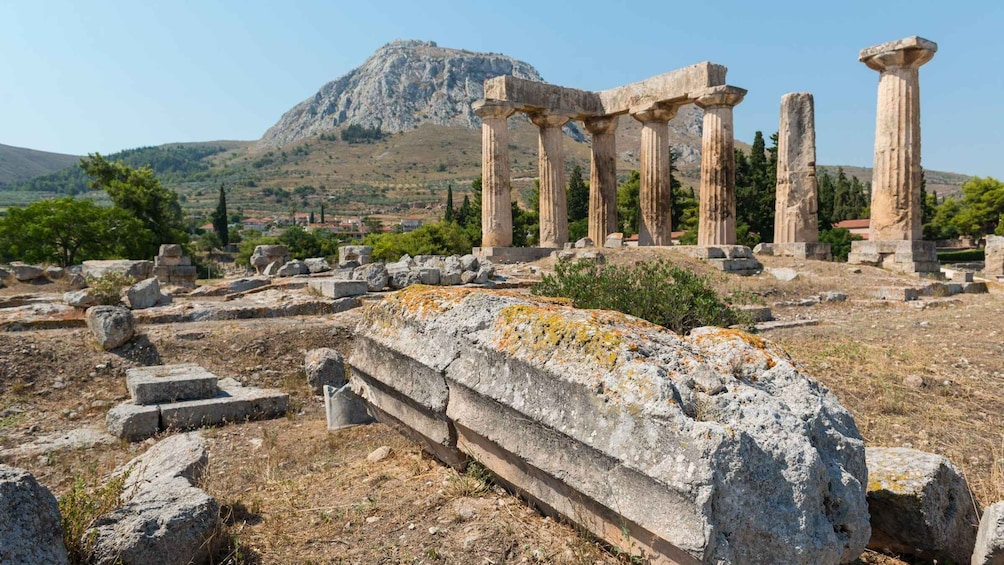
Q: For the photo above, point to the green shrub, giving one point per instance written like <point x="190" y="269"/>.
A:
<point x="440" y="238"/>
<point x="659" y="292"/>
<point x="108" y="289"/>
<point x="840" y="242"/>
<point x="80" y="508"/>
<point x="963" y="256"/>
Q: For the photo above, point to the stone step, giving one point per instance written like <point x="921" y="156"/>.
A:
<point x="234" y="403"/>
<point x="170" y="383"/>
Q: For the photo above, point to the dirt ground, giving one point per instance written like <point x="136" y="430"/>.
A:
<point x="292" y="492"/>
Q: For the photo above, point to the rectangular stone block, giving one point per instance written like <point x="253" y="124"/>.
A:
<point x="338" y="288"/>
<point x="170" y="383"/>
<point x="432" y="425"/>
<point x="131" y="422"/>
<point x="974" y="288"/>
<point x="166" y="261"/>
<point x="897" y="293"/>
<point x="809" y="251"/>
<point x="958" y="276"/>
<point x="413" y="379"/>
<point x="233" y="403"/>
<point x="507" y="255"/>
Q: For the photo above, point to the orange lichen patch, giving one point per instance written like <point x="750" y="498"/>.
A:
<point x="423" y="300"/>
<point x="542" y="329"/>
<point x="770" y="352"/>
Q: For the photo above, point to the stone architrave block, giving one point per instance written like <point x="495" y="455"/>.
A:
<point x="652" y="441"/>
<point x="920" y="506"/>
<point x="131" y="422"/>
<point x="170" y="383"/>
<point x="329" y="288"/>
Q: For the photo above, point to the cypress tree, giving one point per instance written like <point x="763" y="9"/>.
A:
<point x="220" y="218"/>
<point x="322" y="213"/>
<point x="449" y="203"/>
<point x="578" y="196"/>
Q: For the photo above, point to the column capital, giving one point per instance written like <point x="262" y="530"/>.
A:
<point x="601" y="124"/>
<point x="720" y="96"/>
<point x="493" y="109"/>
<point x="909" y="52"/>
<point x="546" y="119"/>
<point x="654" y="112"/>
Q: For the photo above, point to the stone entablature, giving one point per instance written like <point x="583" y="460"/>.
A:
<point x="653" y="102"/>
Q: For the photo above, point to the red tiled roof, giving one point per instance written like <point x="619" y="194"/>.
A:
<point x="853" y="224"/>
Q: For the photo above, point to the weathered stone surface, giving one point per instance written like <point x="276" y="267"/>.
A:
<point x="137" y="270"/>
<point x="375" y="275"/>
<point x="272" y="269"/>
<point x="990" y="537"/>
<point x="170" y="250"/>
<point x="832" y="296"/>
<point x="344" y="408"/>
<point x="496" y="207"/>
<point x="338" y="289"/>
<point x="324" y="367"/>
<point x="602" y="178"/>
<point x="54" y="273"/>
<point x="655" y="225"/>
<point x="112" y="326"/>
<point x="584" y="242"/>
<point x="77" y="281"/>
<point x="451" y="278"/>
<point x="360" y="254"/>
<point x="614" y="240"/>
<point x="30" y="528"/>
<point x="467" y="277"/>
<point x="231" y="287"/>
<point x="234" y="403"/>
<point x="797" y="203"/>
<point x="428" y="275"/>
<point x="80" y="298"/>
<point x="470" y="262"/>
<point x="144" y="294"/>
<point x="897" y="293"/>
<point x="170" y="383"/>
<point x="317" y="264"/>
<point x="707" y="448"/>
<point x="264" y="255"/>
<point x="402" y="279"/>
<point x="784" y="274"/>
<point x="901" y="256"/>
<point x="920" y="506"/>
<point x="293" y="268"/>
<point x="994" y="254"/>
<point x="27" y="273"/>
<point x="717" y="214"/>
<point x="132" y="422"/>
<point x="178" y="456"/>
<point x="551" y="172"/>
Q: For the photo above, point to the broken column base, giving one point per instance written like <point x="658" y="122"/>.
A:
<point x="908" y="257"/>
<point x="806" y="250"/>
<point x="343" y="408"/>
<point x="504" y="255"/>
<point x="737" y="259"/>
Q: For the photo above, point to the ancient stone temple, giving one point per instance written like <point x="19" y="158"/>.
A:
<point x="895" y="237"/>
<point x="796" y="210"/>
<point x="653" y="102"/>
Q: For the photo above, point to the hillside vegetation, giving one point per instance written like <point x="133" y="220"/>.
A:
<point x="18" y="164"/>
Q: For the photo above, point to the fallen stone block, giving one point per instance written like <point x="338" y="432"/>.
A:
<point x="451" y="278"/>
<point x="784" y="274"/>
<point x="832" y="296"/>
<point x="293" y="268"/>
<point x="30" y="526"/>
<point x="614" y="241"/>
<point x="324" y="367"/>
<point x="112" y="326"/>
<point x="758" y="313"/>
<point x="359" y="254"/>
<point x="428" y="275"/>
<point x="897" y="293"/>
<point x="584" y="242"/>
<point x="27" y="273"/>
<point x="170" y="383"/>
<point x="177" y="456"/>
<point x="234" y="403"/>
<point x="469" y="262"/>
<point x="375" y="275"/>
<point x="990" y="537"/>
<point x="132" y="422"/>
<point x="974" y="288"/>
<point x="137" y="270"/>
<point x="338" y="289"/>
<point x="958" y="276"/>
<point x="709" y="448"/>
<point x="317" y="265"/>
<point x="83" y="298"/>
<point x="265" y="255"/>
<point x="54" y="273"/>
<point x="343" y="408"/>
<point x="920" y="506"/>
<point x="144" y="294"/>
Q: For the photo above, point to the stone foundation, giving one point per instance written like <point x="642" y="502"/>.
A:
<point x="736" y="259"/>
<point x="814" y="251"/>
<point x="171" y="267"/>
<point x="910" y="257"/>
<point x="506" y="255"/>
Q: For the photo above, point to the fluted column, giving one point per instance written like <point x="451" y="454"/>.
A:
<point x="551" y="159"/>
<point x="655" y="225"/>
<point x="602" y="179"/>
<point x="496" y="207"/>
<point x="716" y="224"/>
<point x="895" y="207"/>
<point x="796" y="204"/>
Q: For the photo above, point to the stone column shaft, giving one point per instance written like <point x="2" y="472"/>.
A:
<point x="796" y="206"/>
<point x="895" y="206"/>
<point x="717" y="211"/>
<point x="496" y="207"/>
<point x="655" y="225"/>
<point x="603" y="179"/>
<point x="551" y="159"/>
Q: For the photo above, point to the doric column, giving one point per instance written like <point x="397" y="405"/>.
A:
<point x="796" y="205"/>
<point x="654" y="223"/>
<point x="716" y="224"/>
<point x="496" y="207"/>
<point x="602" y="179"/>
<point x="895" y="209"/>
<point x="553" y="204"/>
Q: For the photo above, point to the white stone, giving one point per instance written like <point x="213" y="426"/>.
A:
<point x="990" y="537"/>
<point x="30" y="529"/>
<point x="112" y="326"/>
<point x="324" y="367"/>
<point x="144" y="294"/>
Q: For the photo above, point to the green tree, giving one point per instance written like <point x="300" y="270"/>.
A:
<point x="68" y="230"/>
<point x="439" y="238"/>
<point x="629" y="204"/>
<point x="578" y="196"/>
<point x="322" y="213"/>
<point x="982" y="206"/>
<point x="756" y="183"/>
<point x="449" y="203"/>
<point x="825" y="189"/>
<point x="220" y="220"/>
<point x="472" y="214"/>
<point x="138" y="192"/>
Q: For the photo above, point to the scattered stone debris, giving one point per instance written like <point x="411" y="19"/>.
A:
<point x="920" y="506"/>
<point x="354" y="255"/>
<point x="30" y="526"/>
<point x="80" y="438"/>
<point x="378" y="454"/>
<point x="112" y="326"/>
<point x="146" y="294"/>
<point x="264" y="256"/>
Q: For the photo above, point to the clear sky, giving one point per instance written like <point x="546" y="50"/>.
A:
<point x="94" y="75"/>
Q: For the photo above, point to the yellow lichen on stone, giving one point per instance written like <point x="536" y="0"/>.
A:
<point x="542" y="329"/>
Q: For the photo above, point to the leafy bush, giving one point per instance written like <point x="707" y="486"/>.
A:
<point x="108" y="289"/>
<point x="440" y="238"/>
<point x="659" y="292"/>
<point x="80" y="508"/>
<point x="840" y="242"/>
<point x="963" y="256"/>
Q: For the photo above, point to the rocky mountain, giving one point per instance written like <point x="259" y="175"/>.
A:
<point x="18" y="164"/>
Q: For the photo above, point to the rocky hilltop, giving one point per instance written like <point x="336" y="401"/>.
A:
<point x="405" y="84"/>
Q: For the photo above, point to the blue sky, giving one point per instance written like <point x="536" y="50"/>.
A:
<point x="78" y="77"/>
